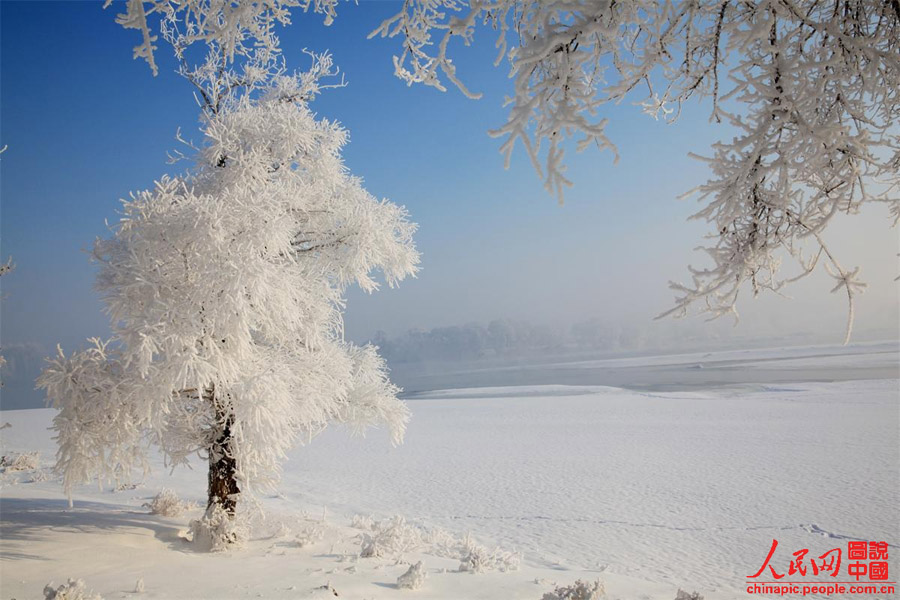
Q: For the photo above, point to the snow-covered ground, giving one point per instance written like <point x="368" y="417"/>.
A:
<point x="649" y="491"/>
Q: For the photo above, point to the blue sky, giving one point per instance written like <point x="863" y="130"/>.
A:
<point x="85" y="125"/>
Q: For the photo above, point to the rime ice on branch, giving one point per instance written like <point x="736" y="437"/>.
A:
<point x="812" y="86"/>
<point x="224" y="289"/>
<point x="235" y="28"/>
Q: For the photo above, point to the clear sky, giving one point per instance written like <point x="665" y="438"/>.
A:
<point x="85" y="124"/>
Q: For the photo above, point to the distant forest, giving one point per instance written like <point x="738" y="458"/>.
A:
<point x="510" y="338"/>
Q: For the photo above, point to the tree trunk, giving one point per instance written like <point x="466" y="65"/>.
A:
<point x="223" y="488"/>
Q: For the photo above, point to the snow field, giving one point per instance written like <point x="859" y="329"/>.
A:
<point x="647" y="492"/>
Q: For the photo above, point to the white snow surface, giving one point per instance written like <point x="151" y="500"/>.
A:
<point x="649" y="492"/>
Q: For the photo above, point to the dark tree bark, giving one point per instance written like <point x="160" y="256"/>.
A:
<point x="223" y="487"/>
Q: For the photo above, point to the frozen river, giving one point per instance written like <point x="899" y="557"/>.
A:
<point x="676" y="372"/>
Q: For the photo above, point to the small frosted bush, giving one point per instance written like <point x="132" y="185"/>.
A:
<point x="39" y="475"/>
<point x="475" y="558"/>
<point x="389" y="538"/>
<point x="168" y="504"/>
<point x="683" y="595"/>
<point x="309" y="534"/>
<point x="362" y="522"/>
<point x="27" y="461"/>
<point x="393" y="537"/>
<point x="74" y="589"/>
<point x="580" y="590"/>
<point x="413" y="578"/>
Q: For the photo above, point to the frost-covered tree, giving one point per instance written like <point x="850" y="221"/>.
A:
<point x="812" y="88"/>
<point x="224" y="288"/>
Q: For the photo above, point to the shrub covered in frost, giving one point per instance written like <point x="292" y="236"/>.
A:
<point x="74" y="589"/>
<point x="217" y="531"/>
<point x="580" y="590"/>
<point x="393" y="537"/>
<point x="683" y="595"/>
<point x="309" y="534"/>
<point x="362" y="522"/>
<point x="389" y="538"/>
<point x="168" y="504"/>
<point x="26" y="461"/>
<point x="475" y="558"/>
<point x="39" y="475"/>
<point x="413" y="578"/>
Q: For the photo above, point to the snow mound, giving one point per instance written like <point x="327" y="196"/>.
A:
<point x="413" y="578"/>
<point x="217" y="531"/>
<point x="74" y="589"/>
<point x="580" y="590"/>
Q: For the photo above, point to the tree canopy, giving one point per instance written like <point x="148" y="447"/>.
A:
<point x="811" y="86"/>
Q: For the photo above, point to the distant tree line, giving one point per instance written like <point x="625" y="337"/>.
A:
<point x="505" y="337"/>
<point x="509" y="338"/>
